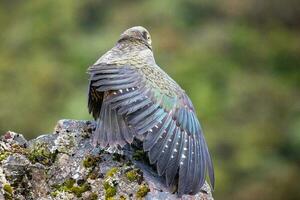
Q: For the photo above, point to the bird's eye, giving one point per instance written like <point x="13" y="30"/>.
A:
<point x="146" y="36"/>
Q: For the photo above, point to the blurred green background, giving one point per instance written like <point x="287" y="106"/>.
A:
<point x="239" y="61"/>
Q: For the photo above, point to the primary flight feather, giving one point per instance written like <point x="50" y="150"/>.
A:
<point x="130" y="96"/>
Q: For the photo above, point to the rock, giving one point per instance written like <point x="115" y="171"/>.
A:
<point x="64" y="165"/>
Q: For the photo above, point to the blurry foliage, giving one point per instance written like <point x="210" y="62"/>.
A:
<point x="238" y="61"/>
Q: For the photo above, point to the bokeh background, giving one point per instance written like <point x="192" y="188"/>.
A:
<point x="239" y="61"/>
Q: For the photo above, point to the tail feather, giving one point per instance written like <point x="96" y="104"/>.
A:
<point x="112" y="129"/>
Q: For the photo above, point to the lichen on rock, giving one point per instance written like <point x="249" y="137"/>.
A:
<point x="65" y="165"/>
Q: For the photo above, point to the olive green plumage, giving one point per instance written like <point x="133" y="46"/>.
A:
<point x="130" y="96"/>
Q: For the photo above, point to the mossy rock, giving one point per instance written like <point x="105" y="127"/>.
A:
<point x="41" y="153"/>
<point x="110" y="190"/>
<point x="90" y="161"/>
<point x="142" y="191"/>
<point x="8" y="192"/>
<point x="70" y="186"/>
<point x="111" y="172"/>
<point x="4" y="155"/>
<point x="133" y="175"/>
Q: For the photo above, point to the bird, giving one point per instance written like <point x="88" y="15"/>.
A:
<point x="131" y="97"/>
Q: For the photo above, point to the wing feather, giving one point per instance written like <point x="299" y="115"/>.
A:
<point x="164" y="149"/>
<point x="173" y="164"/>
<point x="183" y="165"/>
<point x="153" y="138"/>
<point x="134" y="105"/>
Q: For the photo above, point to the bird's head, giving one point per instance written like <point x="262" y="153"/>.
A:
<point x="138" y="33"/>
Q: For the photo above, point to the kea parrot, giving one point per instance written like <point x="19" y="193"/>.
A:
<point x="131" y="97"/>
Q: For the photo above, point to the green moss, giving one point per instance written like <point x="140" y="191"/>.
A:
<point x="4" y="155"/>
<point x="140" y="155"/>
<point x="69" y="186"/>
<point x="110" y="190"/>
<point x="132" y="175"/>
<point x="15" y="149"/>
<point x="128" y="163"/>
<point x="42" y="154"/>
<point x="7" y="188"/>
<point x="78" y="190"/>
<point x="69" y="183"/>
<point x="111" y="172"/>
<point x="106" y="185"/>
<point x="93" y="175"/>
<point x="90" y="161"/>
<point x="94" y="196"/>
<point x="8" y="191"/>
<point x="54" y="193"/>
<point x="118" y="157"/>
<point x="142" y="191"/>
<point x="122" y="197"/>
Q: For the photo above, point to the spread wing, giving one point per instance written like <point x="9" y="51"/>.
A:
<point x="133" y="106"/>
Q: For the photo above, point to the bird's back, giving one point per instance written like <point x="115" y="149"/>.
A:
<point x="141" y="58"/>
